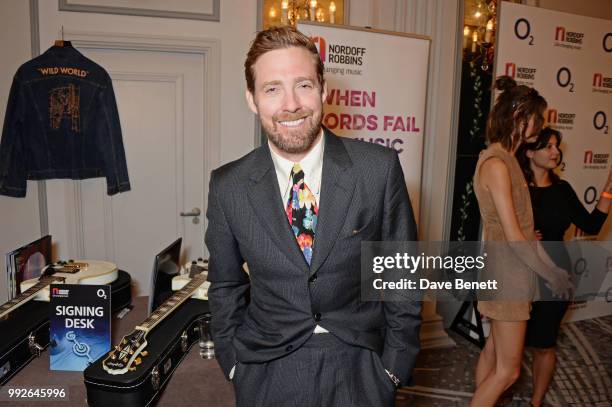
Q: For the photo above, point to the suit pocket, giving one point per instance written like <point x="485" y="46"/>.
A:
<point x="361" y="230"/>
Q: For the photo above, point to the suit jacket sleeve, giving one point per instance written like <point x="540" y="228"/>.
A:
<point x="403" y="316"/>
<point x="227" y="294"/>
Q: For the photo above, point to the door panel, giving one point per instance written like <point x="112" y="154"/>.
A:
<point x="160" y="100"/>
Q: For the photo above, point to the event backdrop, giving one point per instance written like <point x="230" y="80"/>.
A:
<point x="377" y="90"/>
<point x="568" y="59"/>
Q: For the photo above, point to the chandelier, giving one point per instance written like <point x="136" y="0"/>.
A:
<point x="290" y="12"/>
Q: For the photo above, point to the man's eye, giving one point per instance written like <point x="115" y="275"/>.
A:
<point x="270" y="90"/>
<point x="306" y="85"/>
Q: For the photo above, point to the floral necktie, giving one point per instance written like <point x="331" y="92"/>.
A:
<point x="302" y="212"/>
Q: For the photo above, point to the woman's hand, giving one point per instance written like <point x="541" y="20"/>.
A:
<point x="560" y="283"/>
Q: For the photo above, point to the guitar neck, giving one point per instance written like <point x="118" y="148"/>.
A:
<point x="27" y="295"/>
<point x="172" y="303"/>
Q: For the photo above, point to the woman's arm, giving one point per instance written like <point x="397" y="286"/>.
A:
<point x="496" y="178"/>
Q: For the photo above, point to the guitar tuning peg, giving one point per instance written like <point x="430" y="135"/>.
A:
<point x="132" y="369"/>
<point x="137" y="361"/>
<point x="144" y="353"/>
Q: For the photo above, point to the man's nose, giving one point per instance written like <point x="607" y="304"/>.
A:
<point x="291" y="101"/>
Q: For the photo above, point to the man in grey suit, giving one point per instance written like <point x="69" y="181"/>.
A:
<point x="294" y="331"/>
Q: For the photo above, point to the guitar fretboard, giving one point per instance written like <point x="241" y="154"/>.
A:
<point x="172" y="303"/>
<point x="22" y="298"/>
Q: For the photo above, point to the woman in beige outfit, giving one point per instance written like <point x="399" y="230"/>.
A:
<point x="505" y="207"/>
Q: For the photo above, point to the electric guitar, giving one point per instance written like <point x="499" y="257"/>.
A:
<point x="129" y="352"/>
<point x="88" y="272"/>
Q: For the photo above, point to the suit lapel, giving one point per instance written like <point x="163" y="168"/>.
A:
<point x="264" y="197"/>
<point x="337" y="189"/>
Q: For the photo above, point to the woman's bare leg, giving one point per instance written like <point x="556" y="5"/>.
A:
<point x="509" y="339"/>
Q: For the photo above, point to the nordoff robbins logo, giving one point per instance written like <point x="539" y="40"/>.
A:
<point x="321" y="45"/>
<point x="595" y="160"/>
<point x="568" y="39"/>
<point x="602" y="82"/>
<point x="59" y="292"/>
<point x="560" y="120"/>
<point x="523" y="73"/>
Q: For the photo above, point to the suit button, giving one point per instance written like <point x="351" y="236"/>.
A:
<point x="317" y="317"/>
<point x="289" y="348"/>
<point x="313" y="278"/>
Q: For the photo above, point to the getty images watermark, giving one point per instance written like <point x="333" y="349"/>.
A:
<point x="467" y="271"/>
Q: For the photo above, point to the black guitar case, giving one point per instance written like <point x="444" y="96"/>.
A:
<point x="25" y="332"/>
<point x="167" y="345"/>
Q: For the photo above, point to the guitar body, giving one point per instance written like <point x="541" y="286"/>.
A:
<point x="166" y="347"/>
<point x="31" y="320"/>
<point x="90" y="272"/>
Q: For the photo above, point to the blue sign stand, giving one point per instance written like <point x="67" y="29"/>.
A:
<point x="80" y="325"/>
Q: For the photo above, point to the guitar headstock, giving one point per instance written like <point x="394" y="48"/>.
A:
<point x="127" y="354"/>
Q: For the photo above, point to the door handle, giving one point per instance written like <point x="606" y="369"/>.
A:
<point x="195" y="212"/>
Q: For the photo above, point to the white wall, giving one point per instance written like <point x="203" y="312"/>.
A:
<point x="19" y="218"/>
<point x="590" y="8"/>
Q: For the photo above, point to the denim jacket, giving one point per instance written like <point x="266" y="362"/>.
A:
<point x="61" y="122"/>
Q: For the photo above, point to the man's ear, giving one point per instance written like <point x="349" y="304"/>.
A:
<point x="251" y="101"/>
<point x="529" y="153"/>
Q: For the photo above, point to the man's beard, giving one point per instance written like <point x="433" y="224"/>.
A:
<point x="294" y="141"/>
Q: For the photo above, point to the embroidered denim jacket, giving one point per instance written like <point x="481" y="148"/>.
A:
<point x="61" y="122"/>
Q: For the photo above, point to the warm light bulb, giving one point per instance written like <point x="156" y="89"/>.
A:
<point x="313" y="3"/>
<point x="272" y="12"/>
<point x="466" y="31"/>
<point x="284" y="5"/>
<point x="320" y="16"/>
<point x="475" y="36"/>
<point x="490" y="25"/>
<point x="332" y="7"/>
<point x="477" y="14"/>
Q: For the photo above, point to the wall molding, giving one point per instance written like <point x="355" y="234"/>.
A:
<point x="43" y="212"/>
<point x="66" y="5"/>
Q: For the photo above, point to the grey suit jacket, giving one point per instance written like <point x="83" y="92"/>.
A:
<point x="273" y="310"/>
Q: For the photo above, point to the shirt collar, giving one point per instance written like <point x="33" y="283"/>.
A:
<point x="312" y="165"/>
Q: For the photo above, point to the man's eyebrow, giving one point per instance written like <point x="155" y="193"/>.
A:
<point x="270" y="83"/>
<point x="304" y="78"/>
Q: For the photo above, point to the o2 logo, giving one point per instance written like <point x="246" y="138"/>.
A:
<point x="600" y="121"/>
<point x="522" y="30"/>
<point x="607" y="42"/>
<point x="581" y="267"/>
<point x="590" y="195"/>
<point x="564" y="78"/>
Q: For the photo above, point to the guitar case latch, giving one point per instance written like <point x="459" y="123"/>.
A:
<point x="35" y="348"/>
<point x="184" y="342"/>
<point x="155" y="378"/>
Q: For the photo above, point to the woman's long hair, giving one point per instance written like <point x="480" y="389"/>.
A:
<point x="541" y="142"/>
<point x="509" y="118"/>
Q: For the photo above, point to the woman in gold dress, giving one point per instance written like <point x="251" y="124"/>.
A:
<point x="505" y="208"/>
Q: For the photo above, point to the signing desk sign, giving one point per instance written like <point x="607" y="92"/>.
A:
<point x="80" y="325"/>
